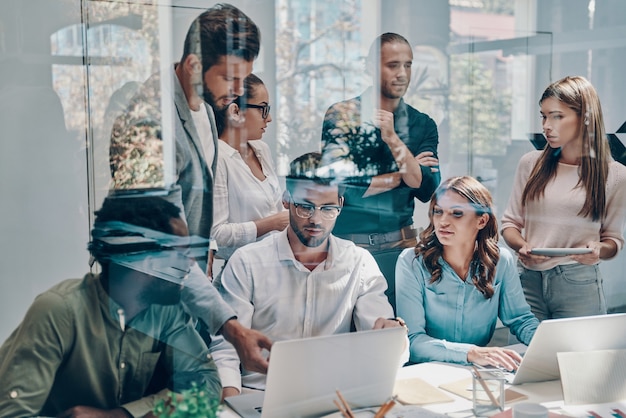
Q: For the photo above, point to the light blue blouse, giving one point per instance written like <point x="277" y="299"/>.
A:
<point x="449" y="317"/>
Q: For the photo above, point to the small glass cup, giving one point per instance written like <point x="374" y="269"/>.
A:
<point x="487" y="393"/>
<point x="530" y="410"/>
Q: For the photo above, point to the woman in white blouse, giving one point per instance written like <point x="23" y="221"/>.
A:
<point x="247" y="194"/>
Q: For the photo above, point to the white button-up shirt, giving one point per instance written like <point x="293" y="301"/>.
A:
<point x="277" y="295"/>
<point x="239" y="198"/>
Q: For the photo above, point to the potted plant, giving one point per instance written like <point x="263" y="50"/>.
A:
<point x="195" y="402"/>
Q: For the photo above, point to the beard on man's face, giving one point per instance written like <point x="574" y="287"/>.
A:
<point x="307" y="240"/>
<point x="208" y="97"/>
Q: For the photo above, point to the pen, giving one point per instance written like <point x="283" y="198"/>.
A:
<point x="619" y="413"/>
<point x="486" y="388"/>
<point x="120" y="313"/>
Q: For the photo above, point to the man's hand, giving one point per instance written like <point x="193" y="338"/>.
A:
<point x="426" y="159"/>
<point x="229" y="391"/>
<point x="494" y="356"/>
<point x="408" y="164"/>
<point x="89" y="412"/>
<point x="384" y="121"/>
<point x="388" y="323"/>
<point x="394" y="323"/>
<point x="382" y="183"/>
<point x="249" y="345"/>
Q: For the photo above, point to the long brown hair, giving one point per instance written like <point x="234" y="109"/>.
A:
<point x="486" y="254"/>
<point x="579" y="95"/>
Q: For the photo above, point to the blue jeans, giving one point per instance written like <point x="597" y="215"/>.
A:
<point x="564" y="291"/>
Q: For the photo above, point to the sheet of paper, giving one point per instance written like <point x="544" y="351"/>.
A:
<point x="593" y="377"/>
<point x="464" y="388"/>
<point x="416" y="391"/>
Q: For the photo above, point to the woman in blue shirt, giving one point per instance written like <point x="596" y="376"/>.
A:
<point x="457" y="282"/>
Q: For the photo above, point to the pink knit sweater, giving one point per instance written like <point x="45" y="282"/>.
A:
<point x="553" y="221"/>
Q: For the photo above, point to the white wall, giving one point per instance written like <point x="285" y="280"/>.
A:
<point x="43" y="214"/>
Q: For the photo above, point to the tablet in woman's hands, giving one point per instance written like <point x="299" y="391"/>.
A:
<point x="559" y="252"/>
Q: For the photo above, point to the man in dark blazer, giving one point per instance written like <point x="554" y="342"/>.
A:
<point x="220" y="47"/>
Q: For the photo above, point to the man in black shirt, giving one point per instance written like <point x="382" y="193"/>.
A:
<point x="387" y="150"/>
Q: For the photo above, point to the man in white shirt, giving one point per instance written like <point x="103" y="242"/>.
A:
<point x="303" y="281"/>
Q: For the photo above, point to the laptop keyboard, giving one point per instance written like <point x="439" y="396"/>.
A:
<point x="498" y="372"/>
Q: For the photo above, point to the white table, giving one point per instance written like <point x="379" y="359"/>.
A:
<point x="548" y="393"/>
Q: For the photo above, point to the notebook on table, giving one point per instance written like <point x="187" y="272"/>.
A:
<point x="586" y="333"/>
<point x="304" y="374"/>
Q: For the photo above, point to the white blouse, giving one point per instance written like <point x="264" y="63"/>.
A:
<point x="239" y="198"/>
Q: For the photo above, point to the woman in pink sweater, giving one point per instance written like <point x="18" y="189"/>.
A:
<point x="571" y="194"/>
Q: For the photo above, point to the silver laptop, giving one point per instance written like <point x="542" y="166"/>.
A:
<point x="304" y="374"/>
<point x="586" y="333"/>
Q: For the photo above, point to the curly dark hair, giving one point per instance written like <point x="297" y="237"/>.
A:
<point x="145" y="211"/>
<point x="486" y="253"/>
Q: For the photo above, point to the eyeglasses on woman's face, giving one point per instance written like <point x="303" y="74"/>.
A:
<point x="265" y="109"/>
<point x="328" y="212"/>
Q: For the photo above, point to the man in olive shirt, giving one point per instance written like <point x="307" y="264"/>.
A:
<point x="112" y="345"/>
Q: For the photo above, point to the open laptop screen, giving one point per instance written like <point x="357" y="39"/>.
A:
<point x="305" y="373"/>
<point x="587" y="333"/>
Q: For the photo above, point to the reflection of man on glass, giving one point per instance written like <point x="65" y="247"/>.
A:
<point x="220" y="47"/>
<point x="391" y="149"/>
<point x="219" y="50"/>
<point x="111" y="345"/>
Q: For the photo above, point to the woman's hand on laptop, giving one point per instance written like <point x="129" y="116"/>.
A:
<point x="494" y="356"/>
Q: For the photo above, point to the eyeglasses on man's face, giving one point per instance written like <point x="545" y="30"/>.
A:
<point x="265" y="109"/>
<point x="305" y="210"/>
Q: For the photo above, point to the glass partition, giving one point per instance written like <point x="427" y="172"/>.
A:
<point x="478" y="71"/>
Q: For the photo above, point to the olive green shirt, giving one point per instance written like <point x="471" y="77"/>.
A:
<point x="71" y="350"/>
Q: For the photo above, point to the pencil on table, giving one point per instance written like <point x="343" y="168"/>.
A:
<point x="485" y="387"/>
<point x="348" y="411"/>
<point x="343" y="411"/>
<point x="384" y="408"/>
